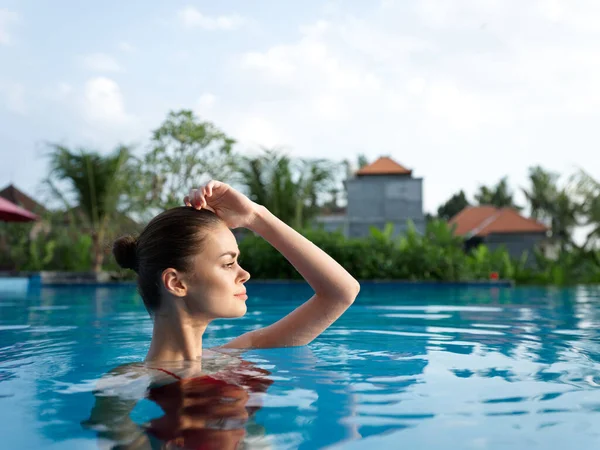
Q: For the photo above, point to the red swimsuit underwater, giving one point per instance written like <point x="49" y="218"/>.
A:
<point x="210" y="411"/>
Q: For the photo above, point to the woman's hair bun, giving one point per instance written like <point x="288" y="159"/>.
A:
<point x="125" y="251"/>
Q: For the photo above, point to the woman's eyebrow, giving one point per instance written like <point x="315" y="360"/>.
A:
<point x="232" y="254"/>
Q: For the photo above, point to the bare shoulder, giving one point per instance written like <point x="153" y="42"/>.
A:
<point x="127" y="379"/>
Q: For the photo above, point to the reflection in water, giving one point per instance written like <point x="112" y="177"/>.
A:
<point x="409" y="367"/>
<point x="207" y="411"/>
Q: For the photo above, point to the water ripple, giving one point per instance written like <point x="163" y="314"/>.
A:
<point x="438" y="368"/>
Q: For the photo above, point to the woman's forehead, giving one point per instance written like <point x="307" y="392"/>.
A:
<point x="221" y="240"/>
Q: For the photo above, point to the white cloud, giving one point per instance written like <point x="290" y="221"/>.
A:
<point x="190" y="17"/>
<point x="126" y="47"/>
<point x="444" y="87"/>
<point x="329" y="107"/>
<point x="309" y="64"/>
<point x="101" y="62"/>
<point x="256" y="130"/>
<point x="14" y="97"/>
<point x="64" y="89"/>
<point x="463" y="92"/>
<point x="466" y="13"/>
<point x="103" y="102"/>
<point x="329" y="76"/>
<point x="461" y="109"/>
<point x="205" y="102"/>
<point x="7" y="18"/>
<point x="274" y="62"/>
<point x="416" y="85"/>
<point x="581" y="15"/>
<point x="552" y="10"/>
<point x="62" y="93"/>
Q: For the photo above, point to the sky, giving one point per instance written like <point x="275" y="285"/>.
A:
<point x="462" y="92"/>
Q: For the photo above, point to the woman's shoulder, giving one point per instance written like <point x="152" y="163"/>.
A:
<point x="130" y="380"/>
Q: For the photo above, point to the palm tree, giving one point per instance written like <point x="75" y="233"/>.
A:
<point x="267" y="179"/>
<point x="543" y="193"/>
<point x="453" y="206"/>
<point x="589" y="190"/>
<point x="553" y="205"/>
<point x="95" y="183"/>
<point x="564" y="219"/>
<point x="317" y="177"/>
<point x="556" y="206"/>
<point x="290" y="188"/>
<point x="362" y="160"/>
<point x="499" y="196"/>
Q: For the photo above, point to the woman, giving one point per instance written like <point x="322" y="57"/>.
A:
<point x="188" y="275"/>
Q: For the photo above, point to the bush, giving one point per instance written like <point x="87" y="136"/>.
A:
<point x="437" y="255"/>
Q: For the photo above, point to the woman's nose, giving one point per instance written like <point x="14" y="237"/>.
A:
<point x="244" y="276"/>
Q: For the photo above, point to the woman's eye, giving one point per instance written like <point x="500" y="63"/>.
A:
<point x="230" y="264"/>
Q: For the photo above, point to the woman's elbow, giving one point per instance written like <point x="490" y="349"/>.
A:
<point x="352" y="291"/>
<point x="344" y="292"/>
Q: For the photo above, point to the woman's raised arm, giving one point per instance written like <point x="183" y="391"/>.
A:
<point x="335" y="289"/>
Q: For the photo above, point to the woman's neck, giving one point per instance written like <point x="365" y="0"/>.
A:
<point x="176" y="337"/>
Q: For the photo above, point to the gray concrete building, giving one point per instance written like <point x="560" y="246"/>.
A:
<point x="379" y="193"/>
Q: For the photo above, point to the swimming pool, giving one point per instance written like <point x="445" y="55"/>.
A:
<point x="412" y="367"/>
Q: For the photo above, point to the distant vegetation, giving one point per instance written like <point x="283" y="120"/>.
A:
<point x="437" y="255"/>
<point x="106" y="195"/>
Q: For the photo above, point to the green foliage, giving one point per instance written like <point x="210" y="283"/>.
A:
<point x="95" y="184"/>
<point x="73" y="251"/>
<point x="41" y="252"/>
<point x="499" y="195"/>
<point x="290" y="188"/>
<point x="93" y="181"/>
<point x="14" y="248"/>
<point x="556" y="206"/>
<point x="542" y="193"/>
<point x="362" y="160"/>
<point x="60" y="249"/>
<point x="184" y="152"/>
<point x="564" y="219"/>
<point x="437" y="255"/>
<point x="588" y="190"/>
<point x="453" y="206"/>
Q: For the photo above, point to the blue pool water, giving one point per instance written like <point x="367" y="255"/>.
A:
<point x="406" y="367"/>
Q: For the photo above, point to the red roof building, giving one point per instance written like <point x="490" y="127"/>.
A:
<point x="499" y="227"/>
<point x="384" y="166"/>
<point x="482" y="221"/>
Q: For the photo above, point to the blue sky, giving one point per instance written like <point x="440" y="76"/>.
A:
<point x="462" y="92"/>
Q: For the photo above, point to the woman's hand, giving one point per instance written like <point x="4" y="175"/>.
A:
<point x="231" y="206"/>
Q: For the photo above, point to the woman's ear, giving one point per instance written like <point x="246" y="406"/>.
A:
<point x="173" y="282"/>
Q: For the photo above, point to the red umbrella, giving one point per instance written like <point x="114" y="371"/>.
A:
<point x="9" y="212"/>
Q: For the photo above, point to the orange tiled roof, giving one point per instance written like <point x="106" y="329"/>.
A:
<point x="384" y="166"/>
<point x="484" y="220"/>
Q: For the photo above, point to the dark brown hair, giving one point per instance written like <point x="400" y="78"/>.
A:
<point x="170" y="239"/>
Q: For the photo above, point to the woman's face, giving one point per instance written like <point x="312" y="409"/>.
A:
<point x="216" y="285"/>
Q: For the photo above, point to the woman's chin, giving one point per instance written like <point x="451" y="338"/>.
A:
<point x="243" y="311"/>
<point x="237" y="311"/>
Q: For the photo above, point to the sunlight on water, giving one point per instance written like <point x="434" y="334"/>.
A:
<point x="405" y="367"/>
